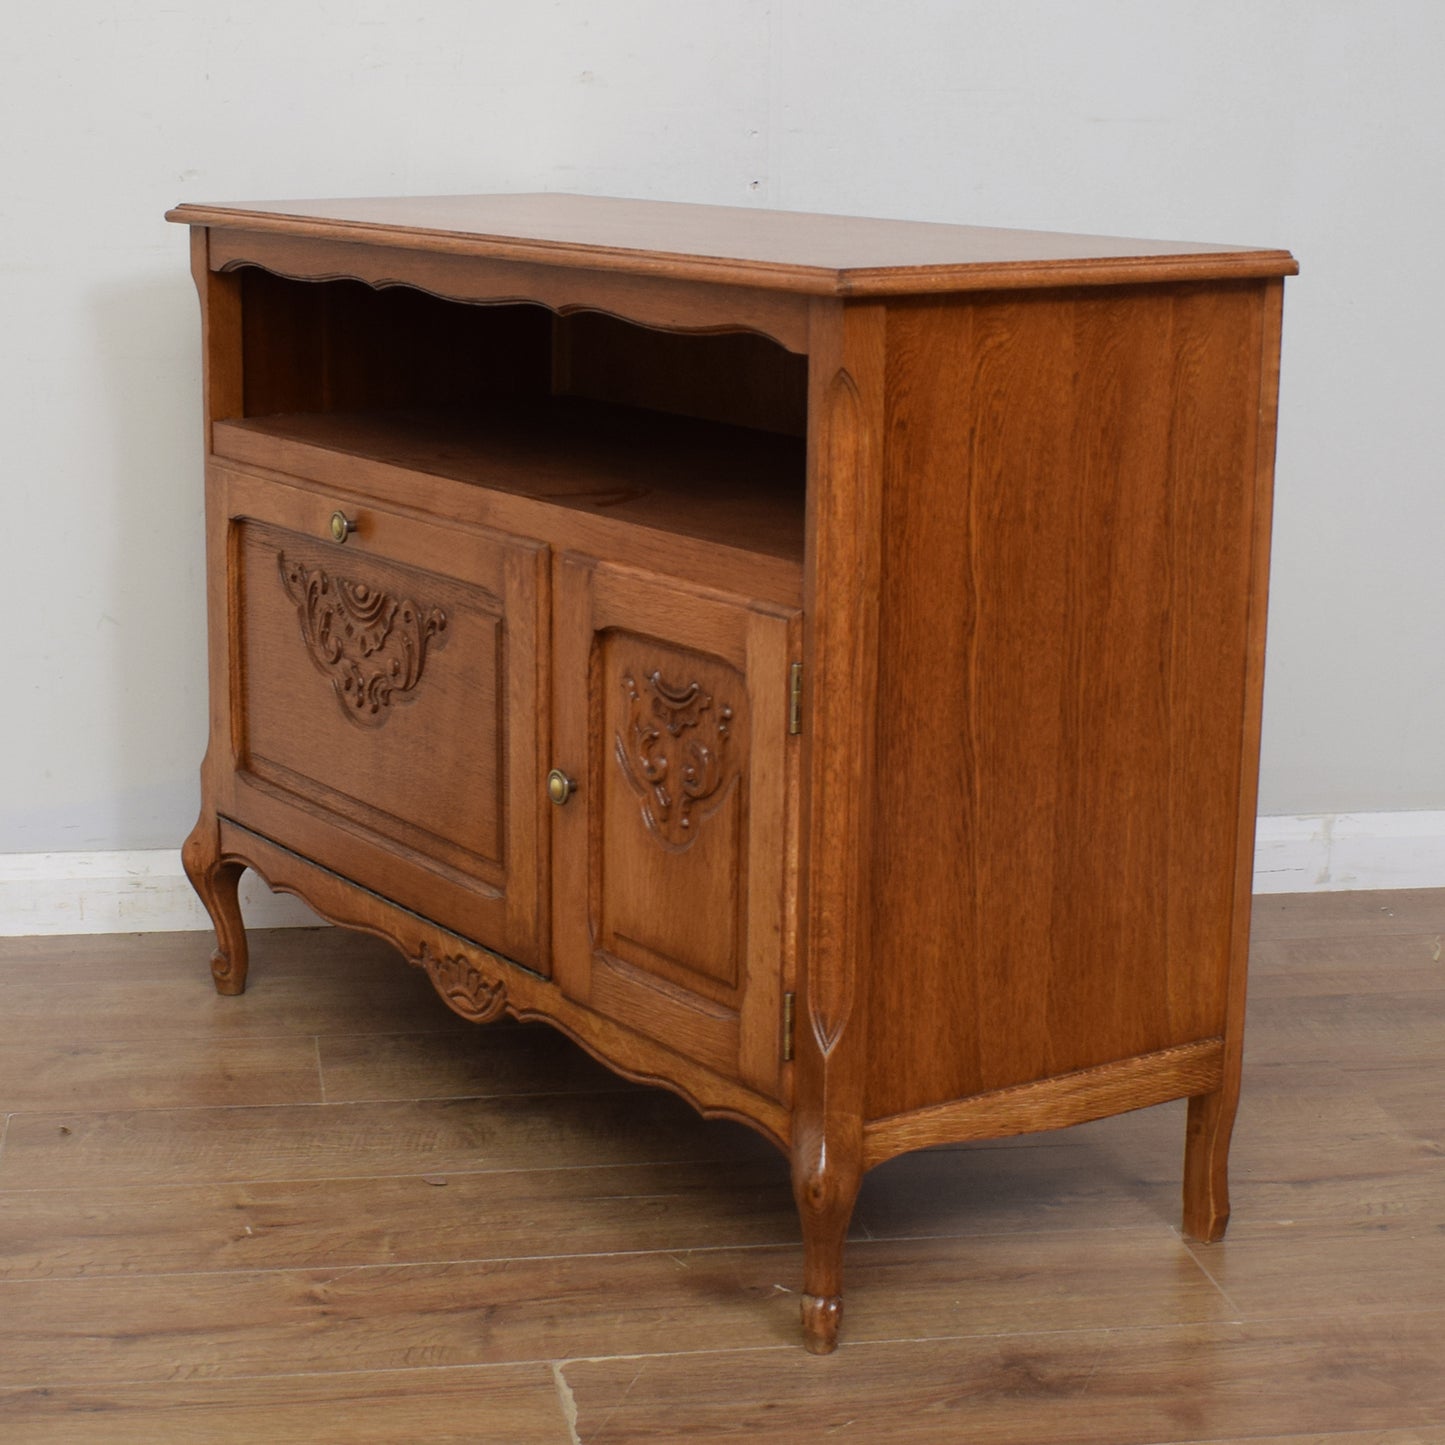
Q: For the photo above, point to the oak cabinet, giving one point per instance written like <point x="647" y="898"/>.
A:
<point x="814" y="663"/>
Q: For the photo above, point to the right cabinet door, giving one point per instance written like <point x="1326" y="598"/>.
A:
<point x="674" y="855"/>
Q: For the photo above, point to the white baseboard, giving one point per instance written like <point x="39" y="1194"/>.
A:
<point x="133" y="892"/>
<point x="1346" y="852"/>
<point x="146" y="891"/>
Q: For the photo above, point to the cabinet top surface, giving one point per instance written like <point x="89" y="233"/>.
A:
<point x="787" y="250"/>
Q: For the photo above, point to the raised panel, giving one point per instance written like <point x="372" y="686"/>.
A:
<point x="669" y="881"/>
<point x="670" y="894"/>
<point x="1058" y="825"/>
<point x="385" y="719"/>
<point x="372" y="690"/>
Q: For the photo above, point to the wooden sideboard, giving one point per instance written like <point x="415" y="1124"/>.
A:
<point x="815" y="663"/>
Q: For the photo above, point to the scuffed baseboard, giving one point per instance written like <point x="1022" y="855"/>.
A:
<point x="129" y="892"/>
<point x="1345" y="852"/>
<point x="146" y="891"/>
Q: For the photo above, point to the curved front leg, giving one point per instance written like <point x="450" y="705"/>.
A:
<point x="825" y="1186"/>
<point x="216" y="880"/>
<point x="1206" y="1164"/>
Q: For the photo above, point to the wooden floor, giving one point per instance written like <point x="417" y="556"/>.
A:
<point x="328" y="1211"/>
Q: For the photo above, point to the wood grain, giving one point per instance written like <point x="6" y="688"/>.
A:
<point x="497" y="1405"/>
<point x="649" y="301"/>
<point x="162" y="1146"/>
<point x="485" y="1063"/>
<point x="718" y="484"/>
<point x="1020" y="486"/>
<point x="216" y="1072"/>
<point x="1125" y="1387"/>
<point x="434" y="1218"/>
<point x="183" y="1281"/>
<point x="1085" y="868"/>
<point x="382" y="1317"/>
<point x="812" y="254"/>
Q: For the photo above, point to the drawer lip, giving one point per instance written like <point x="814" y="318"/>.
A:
<point x="239" y="448"/>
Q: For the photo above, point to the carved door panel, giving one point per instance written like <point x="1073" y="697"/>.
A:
<point x="384" y="703"/>
<point x="673" y="859"/>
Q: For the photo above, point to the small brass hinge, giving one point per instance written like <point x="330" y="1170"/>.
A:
<point x="795" y="698"/>
<point x="790" y="1012"/>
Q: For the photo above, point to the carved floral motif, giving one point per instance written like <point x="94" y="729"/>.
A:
<point x="464" y="987"/>
<point x="372" y="646"/>
<point x="675" y="754"/>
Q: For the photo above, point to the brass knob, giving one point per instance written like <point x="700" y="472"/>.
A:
<point x="341" y="526"/>
<point x="559" y="786"/>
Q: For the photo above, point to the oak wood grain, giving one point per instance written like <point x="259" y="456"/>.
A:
<point x="720" y="484"/>
<point x="1019" y="486"/>
<point x="649" y="301"/>
<point x="824" y="255"/>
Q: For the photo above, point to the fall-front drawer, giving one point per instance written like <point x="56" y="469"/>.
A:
<point x="384" y="713"/>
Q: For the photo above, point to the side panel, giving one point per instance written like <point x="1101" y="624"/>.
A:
<point x="1070" y="495"/>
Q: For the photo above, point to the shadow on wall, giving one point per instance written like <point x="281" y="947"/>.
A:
<point x="147" y="347"/>
<point x="147" y="338"/>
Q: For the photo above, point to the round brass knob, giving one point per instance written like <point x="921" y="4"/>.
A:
<point x="559" y="786"/>
<point x="341" y="526"/>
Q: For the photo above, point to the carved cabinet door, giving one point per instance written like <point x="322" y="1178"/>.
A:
<point x="674" y="873"/>
<point x="384" y="712"/>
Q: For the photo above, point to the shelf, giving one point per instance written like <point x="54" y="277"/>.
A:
<point x="721" y="484"/>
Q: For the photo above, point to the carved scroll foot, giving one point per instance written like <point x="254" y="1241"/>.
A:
<point x="1206" y="1165"/>
<point x="825" y="1185"/>
<point x="216" y="880"/>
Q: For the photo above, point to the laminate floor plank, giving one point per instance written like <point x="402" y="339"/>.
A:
<point x="1293" y="1270"/>
<point x="1065" y="1184"/>
<point x="1185" y="1385"/>
<point x="407" y="1219"/>
<point x="478" y="1234"/>
<point x="484" y="1062"/>
<point x="187" y="1146"/>
<point x="431" y="1218"/>
<point x="40" y="1077"/>
<point x="1340" y="1437"/>
<point x="114" y="1010"/>
<point x="1314" y="967"/>
<point x="140" y="957"/>
<point x="113" y="1330"/>
<point x="1336" y="1029"/>
<point x="1376" y="914"/>
<point x="499" y="1405"/>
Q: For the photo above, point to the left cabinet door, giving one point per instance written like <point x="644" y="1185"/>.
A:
<point x="383" y="701"/>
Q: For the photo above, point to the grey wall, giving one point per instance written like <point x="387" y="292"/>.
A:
<point x="1318" y="126"/>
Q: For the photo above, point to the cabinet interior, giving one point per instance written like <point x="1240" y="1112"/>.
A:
<point x="699" y="433"/>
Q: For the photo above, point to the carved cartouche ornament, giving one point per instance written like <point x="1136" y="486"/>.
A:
<point x="675" y="754"/>
<point x="464" y="987"/>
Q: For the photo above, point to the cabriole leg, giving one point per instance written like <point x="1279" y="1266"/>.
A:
<point x="825" y="1190"/>
<point x="216" y="879"/>
<point x="1206" y="1164"/>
